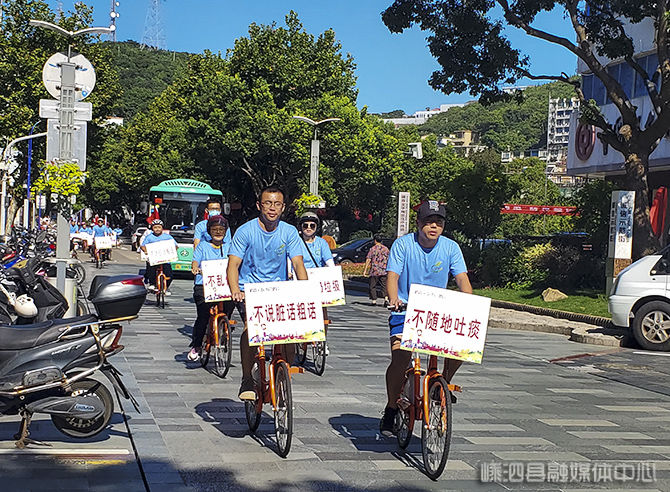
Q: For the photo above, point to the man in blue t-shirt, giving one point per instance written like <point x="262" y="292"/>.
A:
<point x="426" y="258"/>
<point x="157" y="234"/>
<point x="258" y="254"/>
<point x="213" y="208"/>
<point x="100" y="230"/>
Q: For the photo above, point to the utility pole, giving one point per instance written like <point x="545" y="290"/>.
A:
<point x="314" y="153"/>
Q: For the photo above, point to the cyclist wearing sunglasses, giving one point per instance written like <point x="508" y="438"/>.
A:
<point x="317" y="253"/>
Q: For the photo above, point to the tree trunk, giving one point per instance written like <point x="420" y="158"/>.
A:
<point x="644" y="240"/>
<point x="11" y="213"/>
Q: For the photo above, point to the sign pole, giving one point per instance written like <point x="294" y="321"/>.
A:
<point x="314" y="167"/>
<point x="620" y="235"/>
<point x="65" y="154"/>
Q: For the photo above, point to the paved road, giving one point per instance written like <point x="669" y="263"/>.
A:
<point x="558" y="425"/>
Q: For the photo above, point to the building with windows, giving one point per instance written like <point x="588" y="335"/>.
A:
<point x="464" y="142"/>
<point x="558" y="127"/>
<point x="420" y="117"/>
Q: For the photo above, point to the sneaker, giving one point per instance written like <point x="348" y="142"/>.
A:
<point x="373" y="302"/>
<point x="151" y="288"/>
<point x="194" y="354"/>
<point x="247" y="390"/>
<point x="327" y="351"/>
<point x="168" y="293"/>
<point x="387" y="422"/>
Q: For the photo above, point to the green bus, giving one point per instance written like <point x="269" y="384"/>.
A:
<point x="181" y="204"/>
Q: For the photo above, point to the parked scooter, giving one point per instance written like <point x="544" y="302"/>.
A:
<point x="47" y="367"/>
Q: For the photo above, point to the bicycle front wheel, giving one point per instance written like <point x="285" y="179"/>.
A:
<point x="284" y="411"/>
<point x="223" y="350"/>
<point x="253" y="409"/>
<point x="319" y="352"/>
<point x="205" y="350"/>
<point x="404" y="420"/>
<point x="436" y="429"/>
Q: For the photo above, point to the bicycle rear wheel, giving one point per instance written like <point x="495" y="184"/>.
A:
<point x="223" y="350"/>
<point x="319" y="354"/>
<point x="404" y="420"/>
<point x="284" y="411"/>
<point x="300" y="353"/>
<point x="436" y="429"/>
<point x="253" y="409"/>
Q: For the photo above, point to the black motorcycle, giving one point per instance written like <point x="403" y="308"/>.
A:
<point x="47" y="367"/>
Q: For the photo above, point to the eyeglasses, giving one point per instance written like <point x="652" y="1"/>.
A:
<point x="308" y="225"/>
<point x="218" y="230"/>
<point x="268" y="204"/>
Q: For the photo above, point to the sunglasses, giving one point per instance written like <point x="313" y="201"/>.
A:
<point x="309" y="225"/>
<point x="218" y="230"/>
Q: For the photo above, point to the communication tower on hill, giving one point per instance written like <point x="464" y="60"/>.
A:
<point x="113" y="15"/>
<point x="154" y="36"/>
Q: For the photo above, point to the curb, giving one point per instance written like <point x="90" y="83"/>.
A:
<point x="601" y="332"/>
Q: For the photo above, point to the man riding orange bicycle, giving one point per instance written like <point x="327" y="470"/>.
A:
<point x="427" y="258"/>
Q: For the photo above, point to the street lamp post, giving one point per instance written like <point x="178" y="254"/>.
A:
<point x="66" y="130"/>
<point x="314" y="153"/>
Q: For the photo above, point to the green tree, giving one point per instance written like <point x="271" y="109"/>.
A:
<point x="468" y="40"/>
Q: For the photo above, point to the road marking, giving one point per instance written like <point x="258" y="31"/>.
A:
<point x="67" y="452"/>
<point x="660" y="354"/>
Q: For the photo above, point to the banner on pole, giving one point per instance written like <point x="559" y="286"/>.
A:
<point x="446" y="323"/>
<point x="214" y="280"/>
<point x="331" y="285"/>
<point x="161" y="252"/>
<point x="284" y="312"/>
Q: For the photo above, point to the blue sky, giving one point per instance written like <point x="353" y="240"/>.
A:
<point x="393" y="70"/>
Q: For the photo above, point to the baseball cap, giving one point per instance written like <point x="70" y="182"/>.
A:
<point x="431" y="207"/>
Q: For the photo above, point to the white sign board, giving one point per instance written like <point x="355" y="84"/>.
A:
<point x="49" y="109"/>
<point x="84" y="75"/>
<point x="403" y="213"/>
<point x="103" y="242"/>
<point x="82" y="236"/>
<point x="78" y="142"/>
<point x="214" y="280"/>
<point x="161" y="252"/>
<point x="446" y="323"/>
<point x="621" y="225"/>
<point x="330" y="283"/>
<point x="284" y="312"/>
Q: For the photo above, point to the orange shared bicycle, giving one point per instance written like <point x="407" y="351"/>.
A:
<point x="161" y="287"/>
<point x="275" y="390"/>
<point x="218" y="338"/>
<point x="427" y="400"/>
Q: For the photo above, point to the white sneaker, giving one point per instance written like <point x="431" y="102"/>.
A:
<point x="151" y="288"/>
<point x="193" y="355"/>
<point x="168" y="293"/>
<point x="327" y="351"/>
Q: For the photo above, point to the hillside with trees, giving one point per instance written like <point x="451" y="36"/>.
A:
<point x="144" y="74"/>
<point x="503" y="125"/>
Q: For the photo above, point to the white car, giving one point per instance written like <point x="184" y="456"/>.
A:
<point x="640" y="299"/>
<point x="135" y="238"/>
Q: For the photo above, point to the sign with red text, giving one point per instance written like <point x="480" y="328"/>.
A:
<point x="161" y="252"/>
<point x="284" y="312"/>
<point x="446" y="323"/>
<point x="330" y="284"/>
<point x="103" y="242"/>
<point x="214" y="280"/>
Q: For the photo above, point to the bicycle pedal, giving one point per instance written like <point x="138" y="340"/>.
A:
<point x="232" y="322"/>
<point x="404" y="404"/>
<point x="454" y="387"/>
<point x="296" y="370"/>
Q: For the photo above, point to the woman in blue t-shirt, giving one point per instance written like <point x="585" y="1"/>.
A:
<point x="214" y="249"/>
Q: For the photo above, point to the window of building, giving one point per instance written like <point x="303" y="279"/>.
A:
<point x="652" y="66"/>
<point x="626" y="78"/>
<point x="599" y="93"/>
<point x="587" y="86"/>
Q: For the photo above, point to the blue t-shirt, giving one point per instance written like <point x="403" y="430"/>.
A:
<point x="418" y="265"/>
<point x="264" y="253"/>
<point x="208" y="251"/>
<point x="153" y="238"/>
<point x="201" y="233"/>
<point x="86" y="230"/>
<point x="320" y="252"/>
<point x="74" y="228"/>
<point x="99" y="231"/>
